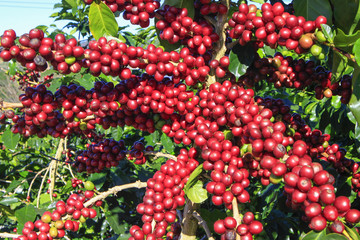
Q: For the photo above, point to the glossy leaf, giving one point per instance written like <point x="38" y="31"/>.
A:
<point x="7" y="212"/>
<point x="339" y="63"/>
<point x="354" y="103"/>
<point x="356" y="51"/>
<point x="329" y="35"/>
<point x="192" y="179"/>
<point x="334" y="236"/>
<point x="71" y="3"/>
<point x="197" y="193"/>
<point x="98" y="179"/>
<point x="102" y="21"/>
<point x="241" y="57"/>
<point x="211" y="215"/>
<point x="167" y="143"/>
<point x="9" y="139"/>
<point x="25" y="214"/>
<point x="9" y="200"/>
<point x="343" y="40"/>
<point x="312" y="235"/>
<point x="117" y="133"/>
<point x="352" y="232"/>
<point x="345" y="14"/>
<point x="153" y="138"/>
<point x="311" y="9"/>
<point x="114" y="220"/>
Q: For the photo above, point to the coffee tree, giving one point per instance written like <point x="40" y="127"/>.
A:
<point x="216" y="120"/>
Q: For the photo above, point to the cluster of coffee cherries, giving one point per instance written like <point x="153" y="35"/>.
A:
<point x="66" y="217"/>
<point x="139" y="12"/>
<point x="274" y="27"/>
<point x="42" y="115"/>
<point x="108" y="153"/>
<point x="309" y="187"/>
<point x="266" y="156"/>
<point x="176" y="25"/>
<point x="248" y="119"/>
<point x="137" y="152"/>
<point x="207" y="7"/>
<point x="336" y="156"/>
<point x="7" y="114"/>
<point x="228" y="227"/>
<point x="110" y="57"/>
<point x="105" y="154"/>
<point x="221" y="66"/>
<point x="75" y="182"/>
<point x="128" y="103"/>
<point x="297" y="73"/>
<point x="29" y="78"/>
<point x="175" y="231"/>
<point x="164" y="193"/>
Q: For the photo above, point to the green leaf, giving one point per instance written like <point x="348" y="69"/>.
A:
<point x="71" y="3"/>
<point x="191" y="181"/>
<point x="354" y="103"/>
<point x="352" y="232"/>
<point x="197" y="193"/>
<point x="345" y="14"/>
<point x="25" y="214"/>
<point x="153" y="138"/>
<point x="210" y="217"/>
<point x="14" y="184"/>
<point x="102" y="21"/>
<point x="117" y="133"/>
<point x="87" y="81"/>
<point x="259" y="1"/>
<point x="7" y="212"/>
<point x="9" y="200"/>
<point x="44" y="200"/>
<point x="9" y="139"/>
<point x="329" y="35"/>
<point x="311" y="9"/>
<point x="98" y="179"/>
<point x="114" y="220"/>
<point x="343" y="40"/>
<point x="12" y="68"/>
<point x="312" y="235"/>
<point x="167" y="143"/>
<point x="356" y="51"/>
<point x="241" y="57"/>
<point x="339" y="63"/>
<point x="334" y="236"/>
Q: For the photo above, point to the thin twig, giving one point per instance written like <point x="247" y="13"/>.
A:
<point x="54" y="166"/>
<point x="62" y="179"/>
<point x="9" y="235"/>
<point x="32" y="182"/>
<point x="203" y="224"/>
<point x="41" y="186"/>
<point x="160" y="154"/>
<point x="5" y="181"/>
<point x="71" y="172"/>
<point x="114" y="190"/>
